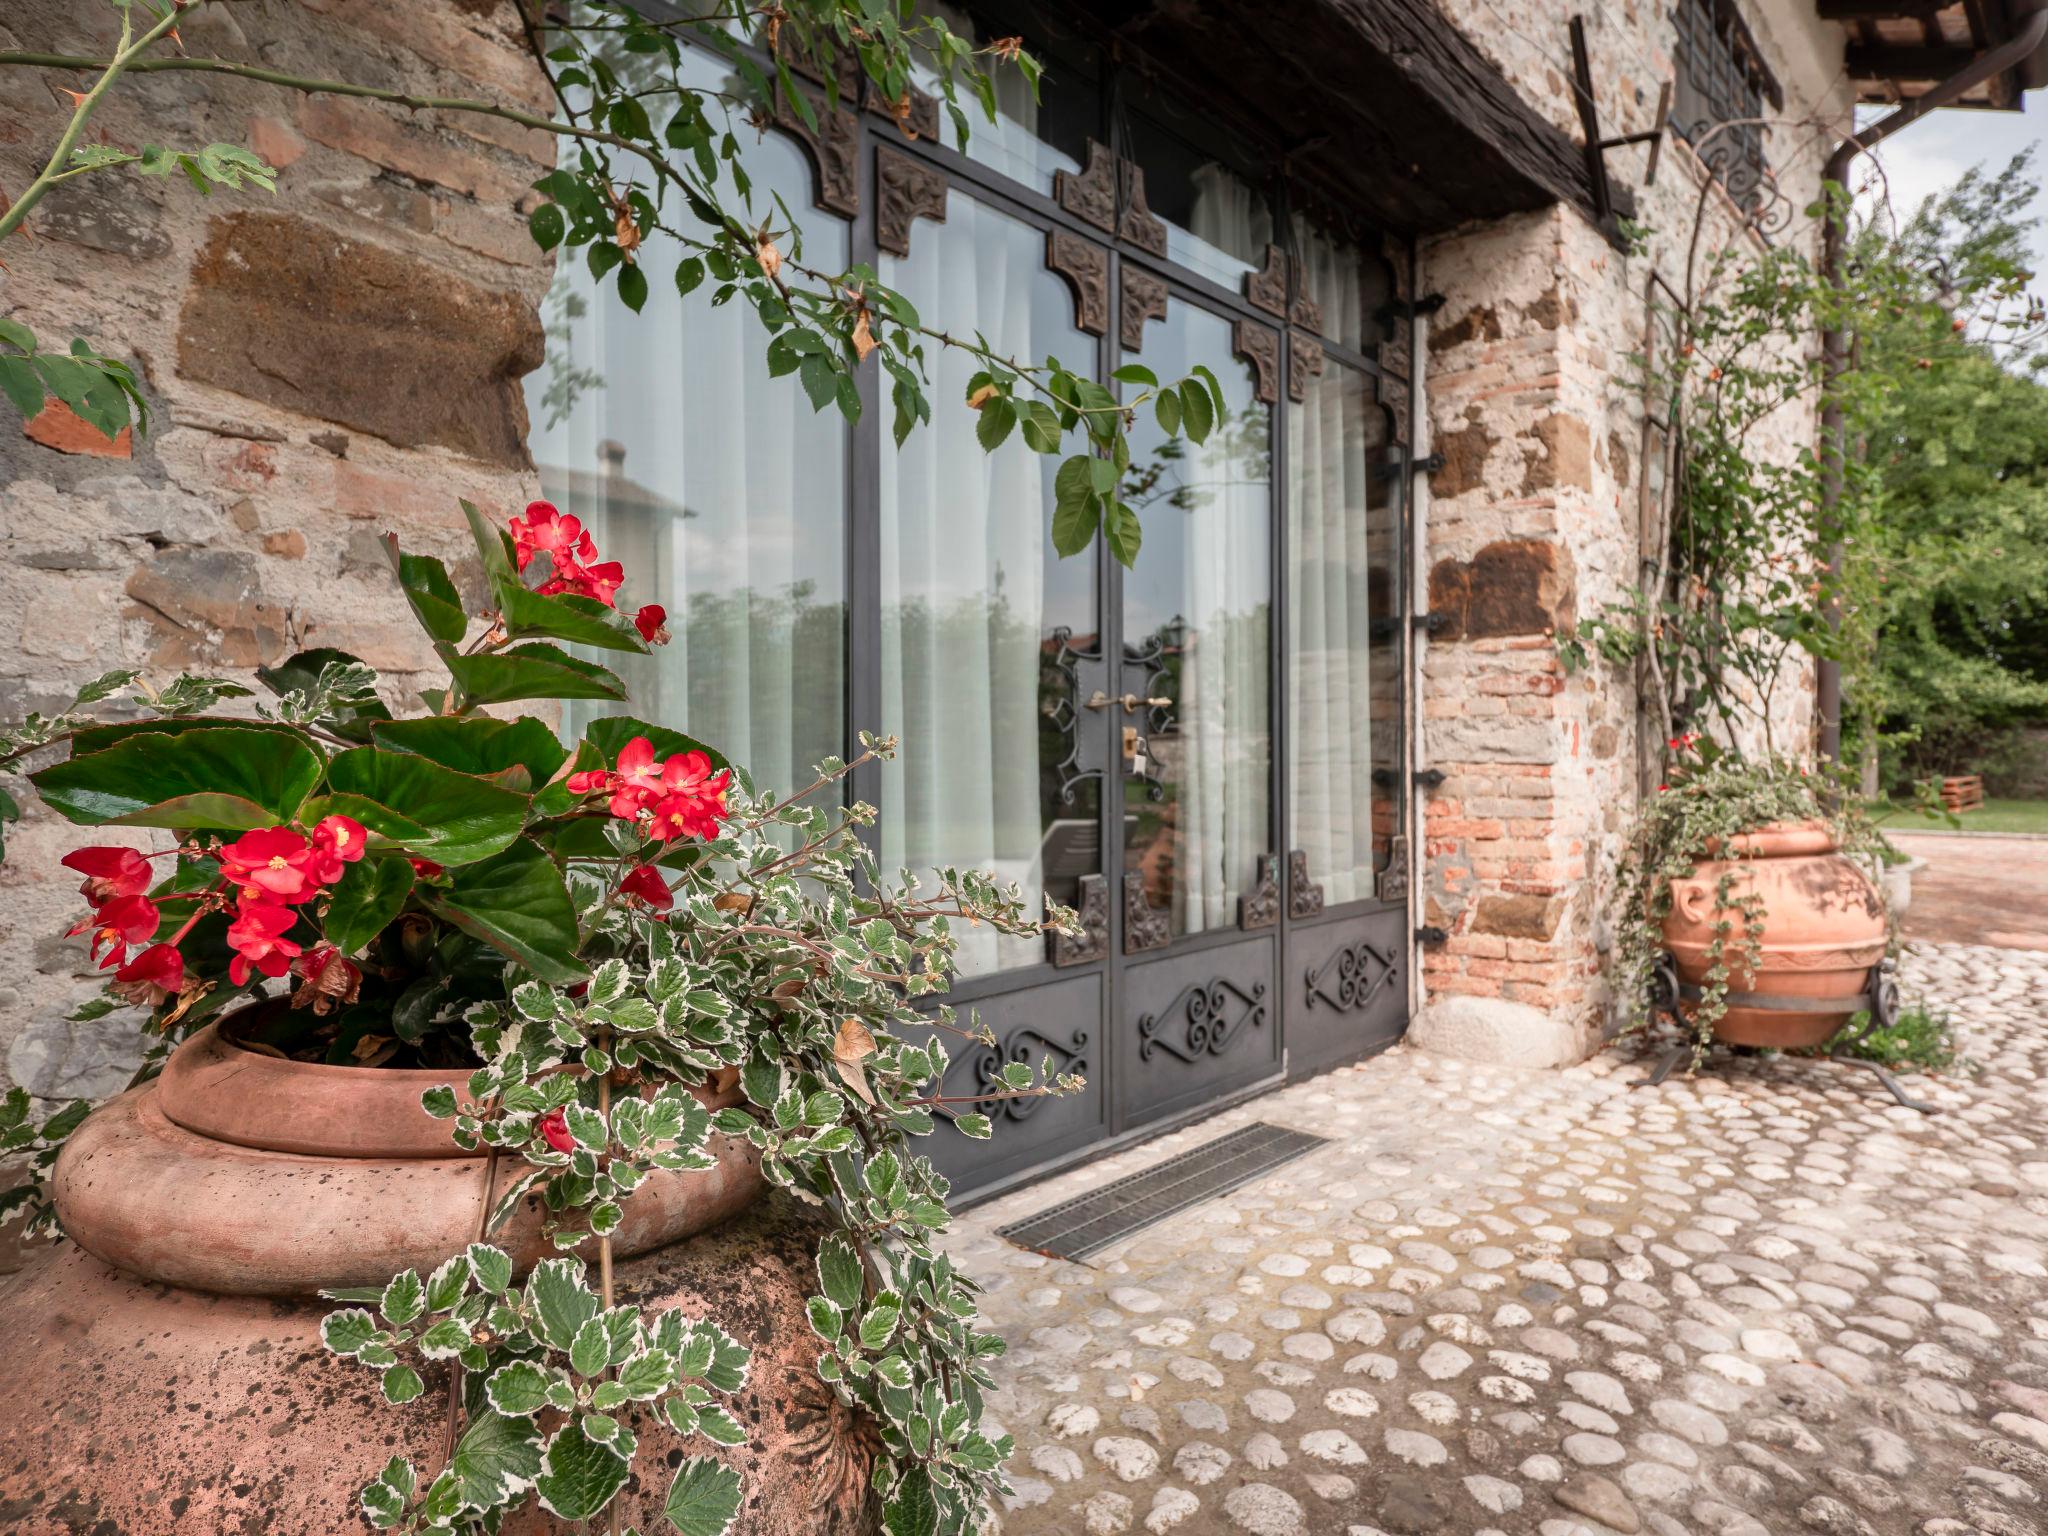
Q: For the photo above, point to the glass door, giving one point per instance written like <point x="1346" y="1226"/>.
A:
<point x="1195" y="744"/>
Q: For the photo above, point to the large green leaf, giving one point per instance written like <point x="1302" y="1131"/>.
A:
<point x="371" y="893"/>
<point x="518" y="903"/>
<point x="494" y="548"/>
<point x="467" y="818"/>
<point x="610" y="733"/>
<point x="228" y="779"/>
<point x="97" y="738"/>
<point x="579" y="620"/>
<point x="435" y="602"/>
<point x="480" y="745"/>
<point x="578" y="1476"/>
<point x="703" y="1498"/>
<point x="496" y="1458"/>
<point x="532" y="671"/>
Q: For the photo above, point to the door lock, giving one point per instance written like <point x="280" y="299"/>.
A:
<point x="1098" y="700"/>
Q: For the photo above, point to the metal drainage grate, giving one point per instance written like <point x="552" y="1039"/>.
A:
<point x="1091" y="1223"/>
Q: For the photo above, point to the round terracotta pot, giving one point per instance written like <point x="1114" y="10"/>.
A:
<point x="1824" y="929"/>
<point x="243" y="1174"/>
<point x="166" y="1371"/>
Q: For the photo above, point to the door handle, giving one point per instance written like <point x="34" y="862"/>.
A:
<point x="1132" y="703"/>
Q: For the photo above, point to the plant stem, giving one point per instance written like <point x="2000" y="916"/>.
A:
<point x="125" y="57"/>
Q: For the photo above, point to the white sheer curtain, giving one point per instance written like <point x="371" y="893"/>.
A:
<point x="962" y="583"/>
<point x="1329" y="441"/>
<point x="719" y="490"/>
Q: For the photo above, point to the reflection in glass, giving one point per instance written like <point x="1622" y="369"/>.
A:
<point x="1197" y="632"/>
<point x="1346" y="283"/>
<point x="1217" y="221"/>
<point x="975" y="602"/>
<point x="1343" y="647"/>
<point x="719" y="490"/>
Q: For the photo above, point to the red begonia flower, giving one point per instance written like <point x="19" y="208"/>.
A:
<point x="652" y="622"/>
<point x="119" y="923"/>
<point x="426" y="869"/>
<point x="554" y="1130"/>
<point x="571" y="553"/>
<point x="109" y="872"/>
<point x="645" y="882"/>
<point x="594" y="781"/>
<point x="257" y="938"/>
<point x="638" y="780"/>
<point x="277" y="862"/>
<point x="337" y="841"/>
<point x="154" y="974"/>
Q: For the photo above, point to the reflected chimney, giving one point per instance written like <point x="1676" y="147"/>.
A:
<point x="612" y="454"/>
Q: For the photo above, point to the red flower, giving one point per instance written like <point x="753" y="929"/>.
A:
<point x="594" y="781"/>
<point x="693" y="799"/>
<point x="337" y="841"/>
<point x="109" y="872"/>
<point x="257" y="938"/>
<point x="154" y="974"/>
<point x="119" y="923"/>
<point x="652" y="622"/>
<point x="645" y="883"/>
<point x="572" y="555"/>
<point x="328" y="979"/>
<point x="275" y="865"/>
<point x="425" y="869"/>
<point x="554" y="1130"/>
<point x="638" y="779"/>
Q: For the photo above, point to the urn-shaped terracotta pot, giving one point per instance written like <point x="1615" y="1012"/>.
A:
<point x="165" y="1367"/>
<point x="1823" y="931"/>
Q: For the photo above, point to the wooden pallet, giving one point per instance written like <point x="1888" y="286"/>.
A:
<point x="1963" y="793"/>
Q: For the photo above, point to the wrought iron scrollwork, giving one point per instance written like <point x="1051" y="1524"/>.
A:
<point x="1260" y="906"/>
<point x="1392" y="882"/>
<point x="1304" y="896"/>
<point x="1085" y="266"/>
<point x="1206" y="1019"/>
<point x="1109" y="192"/>
<point x="1064" y="711"/>
<point x="1145" y="926"/>
<point x="1304" y="361"/>
<point x="1259" y="345"/>
<point x="1143" y="298"/>
<point x="1351" y="978"/>
<point x="906" y="189"/>
<point x="833" y="148"/>
<point x="1029" y="1045"/>
<point x="1093" y="942"/>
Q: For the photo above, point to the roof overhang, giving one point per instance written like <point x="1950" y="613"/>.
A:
<point x="1900" y="49"/>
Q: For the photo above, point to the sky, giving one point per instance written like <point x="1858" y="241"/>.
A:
<point x="1930" y="155"/>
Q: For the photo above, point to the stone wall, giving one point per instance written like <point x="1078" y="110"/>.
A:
<point x="1533" y="521"/>
<point x="322" y="365"/>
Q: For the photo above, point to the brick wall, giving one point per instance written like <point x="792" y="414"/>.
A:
<point x="323" y="365"/>
<point x="1533" y="520"/>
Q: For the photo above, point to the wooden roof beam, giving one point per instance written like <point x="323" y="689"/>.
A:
<point x="1867" y="63"/>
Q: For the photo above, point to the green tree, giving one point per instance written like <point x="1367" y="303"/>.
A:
<point x="1948" y="562"/>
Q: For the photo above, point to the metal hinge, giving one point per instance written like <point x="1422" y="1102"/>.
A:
<point x="1432" y="623"/>
<point x="1391" y="470"/>
<point x="1429" y="778"/>
<point x="1429" y="935"/>
<point x="1403" y="309"/>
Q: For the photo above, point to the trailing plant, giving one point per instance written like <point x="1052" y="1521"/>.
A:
<point x="1713" y="799"/>
<point x="595" y="940"/>
<point x="647" y="152"/>
<point x="1920" y="1036"/>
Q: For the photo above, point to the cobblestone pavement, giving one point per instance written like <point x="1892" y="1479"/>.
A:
<point x="1762" y="1300"/>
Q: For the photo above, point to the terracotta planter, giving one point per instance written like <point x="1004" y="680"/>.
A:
<point x="1824" y="929"/>
<point x="166" y="1369"/>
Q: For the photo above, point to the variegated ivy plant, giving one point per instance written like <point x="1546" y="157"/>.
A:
<point x="582" y="934"/>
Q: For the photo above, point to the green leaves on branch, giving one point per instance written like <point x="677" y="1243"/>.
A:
<point x="224" y="777"/>
<point x="101" y="391"/>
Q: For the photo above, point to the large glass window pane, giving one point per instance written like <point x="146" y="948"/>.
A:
<point x="1218" y="221"/>
<point x="1197" y="614"/>
<point x="719" y="489"/>
<point x="975" y="600"/>
<point x="1034" y="135"/>
<point x="1343" y="644"/>
<point x="1347" y="285"/>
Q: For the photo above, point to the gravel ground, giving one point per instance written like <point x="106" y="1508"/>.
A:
<point x="1765" y="1299"/>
